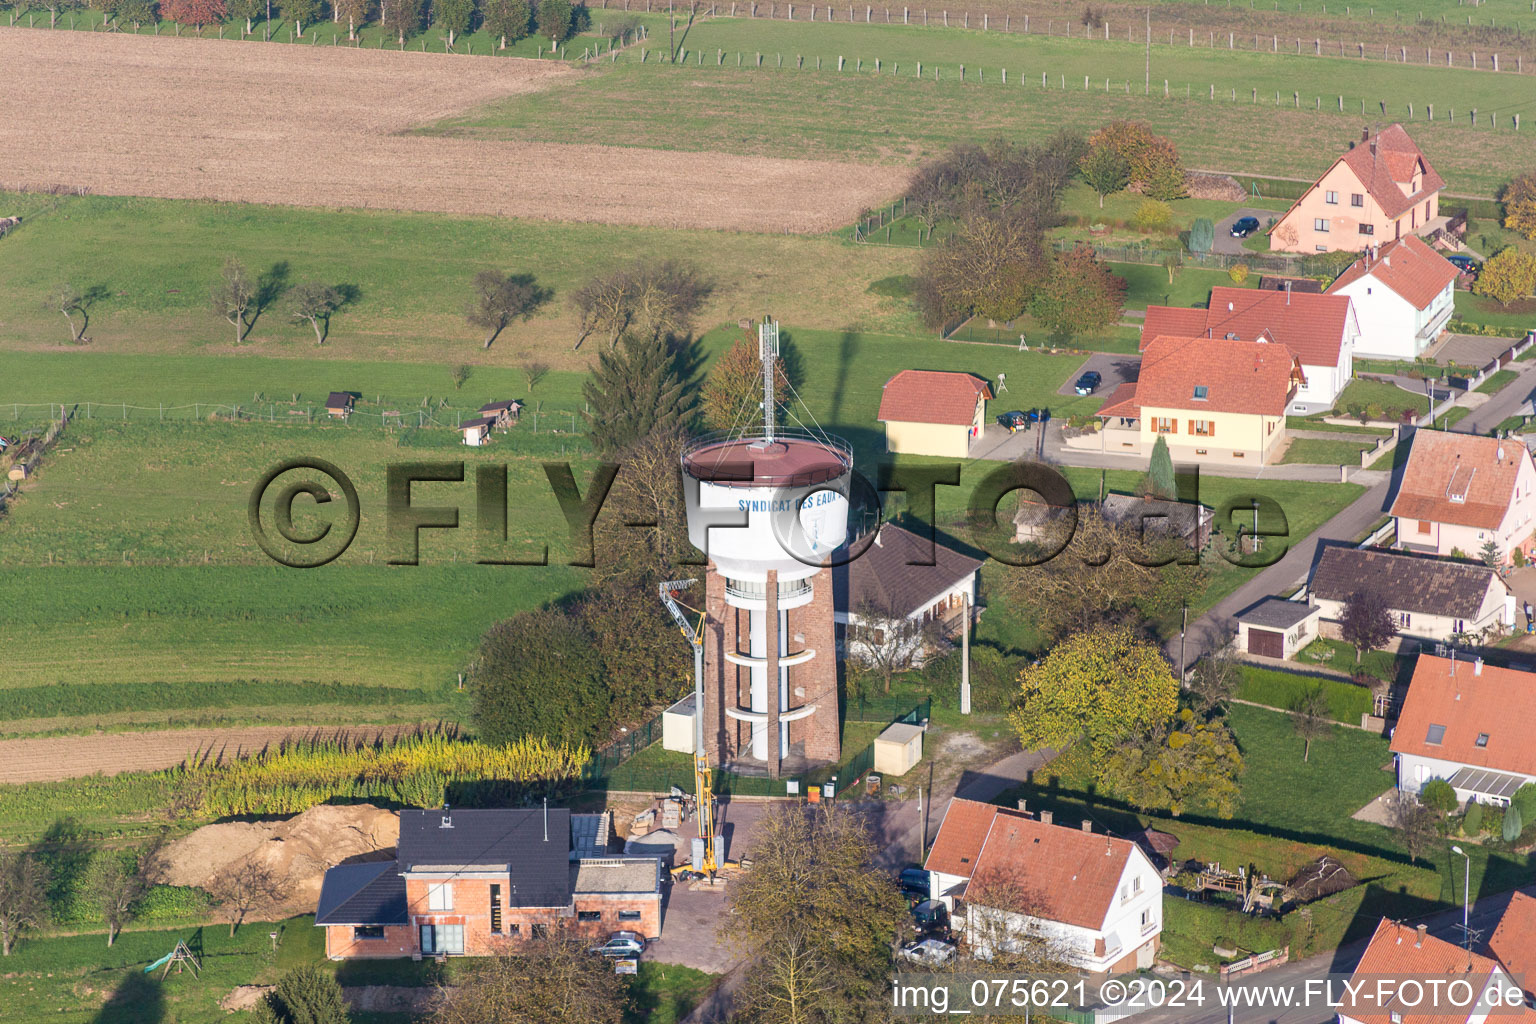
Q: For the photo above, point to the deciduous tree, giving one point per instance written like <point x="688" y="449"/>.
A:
<point x="555" y="18"/>
<point x="1367" y="621"/>
<point x="1508" y="276"/>
<point x="235" y="297"/>
<point x="313" y="302"/>
<point x="1519" y="199"/>
<point x="508" y="20"/>
<point x="71" y="302"/>
<point x="1185" y="764"/>
<point x="1215" y="678"/>
<point x="23" y="897"/>
<point x="989" y="266"/>
<point x="1078" y="296"/>
<point x="498" y="299"/>
<point x="1438" y="796"/>
<point x="246" y="888"/>
<point x="247" y="11"/>
<point x="1153" y="160"/>
<point x="454" y="16"/>
<point x="401" y="17"/>
<point x="114" y="884"/>
<point x="195" y="12"/>
<point x="1417" y="826"/>
<point x="356" y="13"/>
<point x="1102" y="687"/>
<point x="1105" y="170"/>
<point x="539" y="674"/>
<point x="551" y="979"/>
<point x="733" y="391"/>
<point x="300" y="12"/>
<point x="885" y="640"/>
<point x="654" y="299"/>
<point x="813" y="919"/>
<point x="1311" y="718"/>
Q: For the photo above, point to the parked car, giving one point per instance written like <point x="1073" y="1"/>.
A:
<point x="931" y="916"/>
<point x="1013" y="421"/>
<point x="624" y="945"/>
<point x="929" y="952"/>
<point x="1244" y="226"/>
<point x="1464" y="263"/>
<point x="1089" y="382"/>
<point x="914" y="881"/>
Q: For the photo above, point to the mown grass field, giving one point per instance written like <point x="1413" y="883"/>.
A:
<point x="896" y="117"/>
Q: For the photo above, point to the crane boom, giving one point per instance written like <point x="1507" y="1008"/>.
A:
<point x="704" y="798"/>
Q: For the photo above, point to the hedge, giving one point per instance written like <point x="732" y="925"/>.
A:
<point x="1275" y="689"/>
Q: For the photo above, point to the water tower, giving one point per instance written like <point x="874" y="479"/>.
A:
<point x="768" y="505"/>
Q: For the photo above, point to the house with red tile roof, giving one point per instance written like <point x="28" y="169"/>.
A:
<point x="1407" y="976"/>
<point x="1469" y="723"/>
<point x="1321" y="330"/>
<point x="1461" y="491"/>
<point x="934" y="412"/>
<point x="1382" y="189"/>
<point x="1210" y="399"/>
<point x="1007" y="875"/>
<point x="1513" y="942"/>
<point x="1403" y="296"/>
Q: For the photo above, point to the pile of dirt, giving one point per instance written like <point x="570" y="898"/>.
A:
<point x="297" y="849"/>
<point x="1214" y="186"/>
<point x="1323" y="877"/>
<point x="243" y="997"/>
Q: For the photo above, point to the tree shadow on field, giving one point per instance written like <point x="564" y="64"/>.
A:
<point x="137" y="999"/>
<point x="270" y="287"/>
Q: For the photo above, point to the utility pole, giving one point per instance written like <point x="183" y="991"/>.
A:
<point x="1147" y="88"/>
<point x="1183" y="628"/>
<point x="965" y="654"/>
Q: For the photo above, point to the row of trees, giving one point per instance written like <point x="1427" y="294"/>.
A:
<point x="507" y="20"/>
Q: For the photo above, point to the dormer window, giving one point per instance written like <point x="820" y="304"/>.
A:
<point x="1201" y="392"/>
<point x="1435" y="736"/>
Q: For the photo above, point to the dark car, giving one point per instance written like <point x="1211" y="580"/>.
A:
<point x="1089" y="382"/>
<point x="1465" y="264"/>
<point x="1013" y="421"/>
<point x="1244" y="226"/>
<point x="914" y="883"/>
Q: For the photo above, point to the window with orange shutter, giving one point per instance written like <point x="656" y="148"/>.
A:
<point x="1423" y="526"/>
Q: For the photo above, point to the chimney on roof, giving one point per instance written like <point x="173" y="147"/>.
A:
<point x="1477" y="667"/>
<point x="1045" y="817"/>
<point x="447" y="818"/>
<point x="1365" y="134"/>
<point x="1287" y="291"/>
<point x="1022" y="807"/>
<point x="1087" y="825"/>
<point x="1423" y="929"/>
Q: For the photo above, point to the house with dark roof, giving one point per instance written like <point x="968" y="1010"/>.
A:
<point x="1006" y="874"/>
<point x="1380" y="190"/>
<point x="477" y="431"/>
<point x="1400" y="953"/>
<point x="1320" y="330"/>
<point x="1429" y="598"/>
<point x="1210" y="399"/>
<point x="1277" y="628"/>
<point x="904" y="589"/>
<point x="1402" y="293"/>
<point x="1469" y="723"/>
<point x="1461" y="491"/>
<point x="476" y="882"/>
<point x="934" y="412"/>
<point x="505" y="413"/>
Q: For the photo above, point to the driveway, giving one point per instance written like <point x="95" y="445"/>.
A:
<point x="1115" y="368"/>
<point x="1229" y="246"/>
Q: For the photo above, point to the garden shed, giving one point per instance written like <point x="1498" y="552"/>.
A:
<point x="898" y="749"/>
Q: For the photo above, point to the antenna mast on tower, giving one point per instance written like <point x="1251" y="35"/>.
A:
<point x="768" y="352"/>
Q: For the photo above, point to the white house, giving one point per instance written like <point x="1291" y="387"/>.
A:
<point x="1403" y="296"/>
<point x="1003" y="873"/>
<point x="1471" y="988"/>
<point x="1320" y="330"/>
<point x="1471" y="724"/>
<point x="902" y="589"/>
<point x="1429" y="598"/>
<point x="1460" y="491"/>
<point x="1276" y="628"/>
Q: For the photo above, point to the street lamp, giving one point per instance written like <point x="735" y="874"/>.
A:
<point x="1466" y="899"/>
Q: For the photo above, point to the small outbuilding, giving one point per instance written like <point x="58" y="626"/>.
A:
<point x="477" y="432"/>
<point x="934" y="412"/>
<point x="1277" y="628"/>
<point x="898" y="749"/>
<point x="339" y="404"/>
<point x="677" y="725"/>
<point x="504" y="414"/>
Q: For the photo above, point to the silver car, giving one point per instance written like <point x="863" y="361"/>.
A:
<point x="625" y="945"/>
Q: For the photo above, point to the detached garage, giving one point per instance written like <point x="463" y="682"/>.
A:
<point x="1276" y="628"/>
<point x="934" y="412"/>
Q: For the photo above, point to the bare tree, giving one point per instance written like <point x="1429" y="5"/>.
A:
<point x="1311" y="718"/>
<point x="235" y="297"/>
<point x="313" y="302"/>
<point x="534" y="373"/>
<point x="72" y="302"/>
<point x="551" y="979"/>
<point x="1215" y="678"/>
<point x="887" y="641"/>
<point x="23" y="897"/>
<point x="654" y="299"/>
<point x="114" y="887"/>
<point x="604" y="304"/>
<point x="1417" y="825"/>
<point x="245" y="888"/>
<point x="1003" y="910"/>
<point x="499" y="299"/>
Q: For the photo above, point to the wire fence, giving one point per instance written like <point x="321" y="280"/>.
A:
<point x="609" y="769"/>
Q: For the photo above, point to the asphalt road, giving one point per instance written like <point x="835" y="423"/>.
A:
<point x="1508" y="402"/>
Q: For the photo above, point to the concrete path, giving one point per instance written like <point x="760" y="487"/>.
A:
<point x="1350" y="523"/>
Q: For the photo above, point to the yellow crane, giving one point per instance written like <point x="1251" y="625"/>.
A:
<point x="703" y="788"/>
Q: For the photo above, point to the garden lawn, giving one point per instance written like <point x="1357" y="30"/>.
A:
<point x="1496" y="382"/>
<point x="1325" y="451"/>
<point x="1365" y="394"/>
